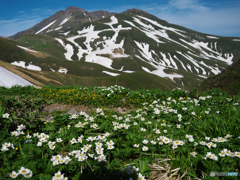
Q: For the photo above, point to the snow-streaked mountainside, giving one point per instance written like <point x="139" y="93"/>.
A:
<point x="9" y="79"/>
<point x="120" y="41"/>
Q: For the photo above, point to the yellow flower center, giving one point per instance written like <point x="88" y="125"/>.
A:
<point x="24" y="171"/>
<point x="58" y="175"/>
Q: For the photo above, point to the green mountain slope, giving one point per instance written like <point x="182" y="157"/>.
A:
<point x="228" y="80"/>
<point x="120" y="45"/>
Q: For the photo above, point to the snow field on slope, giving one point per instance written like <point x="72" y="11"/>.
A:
<point x="30" y="66"/>
<point x="108" y="48"/>
<point x="212" y="37"/>
<point x="9" y="79"/>
<point x="46" y="27"/>
<point x="159" y="72"/>
<point x="66" y="33"/>
<point x="26" y="49"/>
<point x="110" y="73"/>
<point x="69" y="49"/>
<point x="58" y="28"/>
<point x="202" y="46"/>
<point x="65" y="20"/>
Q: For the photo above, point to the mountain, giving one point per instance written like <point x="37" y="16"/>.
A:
<point x="62" y="21"/>
<point x="134" y="49"/>
<point x="228" y="80"/>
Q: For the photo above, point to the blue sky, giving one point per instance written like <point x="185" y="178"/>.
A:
<point x="216" y="17"/>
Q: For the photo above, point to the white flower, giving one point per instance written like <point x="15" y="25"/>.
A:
<point x="193" y="153"/>
<point x="110" y="143"/>
<point x="14" y="174"/>
<point x="90" y="155"/>
<point x="227" y="152"/>
<point x="141" y="177"/>
<point x="145" y="141"/>
<point x="58" y="176"/>
<point x="166" y="140"/>
<point x="39" y="144"/>
<point x="67" y="159"/>
<point x="52" y="147"/>
<point x="237" y="154"/>
<point x="144" y="148"/>
<point x="209" y="155"/>
<point x="56" y="158"/>
<point x="23" y="171"/>
<point x="28" y="175"/>
<point x="98" y="144"/>
<point x="207" y="138"/>
<point x="50" y="143"/>
<point x="6" y="115"/>
<point x="55" y="163"/>
<point x="42" y="140"/>
<point x="73" y="141"/>
<point x="136" y="145"/>
<point x="59" y="140"/>
<point x="202" y="143"/>
<point x="153" y="142"/>
<point x="15" y="133"/>
<point x="191" y="139"/>
<point x="110" y="147"/>
<point x="222" y="154"/>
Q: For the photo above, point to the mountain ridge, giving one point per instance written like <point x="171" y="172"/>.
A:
<point x="126" y="43"/>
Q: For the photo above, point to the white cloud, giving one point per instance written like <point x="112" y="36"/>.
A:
<point x="187" y="4"/>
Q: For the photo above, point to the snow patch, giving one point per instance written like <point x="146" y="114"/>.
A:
<point x="30" y="66"/>
<point x="63" y="71"/>
<point x="65" y="20"/>
<point x="9" y="79"/>
<point x="212" y="37"/>
<point x="26" y="49"/>
<point x="69" y="49"/>
<point x="114" y="20"/>
<point x="58" y="28"/>
<point x="159" y="72"/>
<point x="236" y="39"/>
<point x="110" y="73"/>
<point x="46" y="27"/>
<point x="66" y="33"/>
<point x="202" y="76"/>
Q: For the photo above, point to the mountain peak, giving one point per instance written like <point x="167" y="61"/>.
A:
<point x="134" y="11"/>
<point x="71" y="8"/>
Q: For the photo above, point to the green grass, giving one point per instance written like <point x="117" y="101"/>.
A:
<point x="157" y="117"/>
<point x="42" y="43"/>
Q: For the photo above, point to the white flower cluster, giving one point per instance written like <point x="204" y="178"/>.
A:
<point x="120" y="126"/>
<point x="58" y="159"/>
<point x="18" y="131"/>
<point x="59" y="176"/>
<point x="6" y="145"/>
<point x="27" y="173"/>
